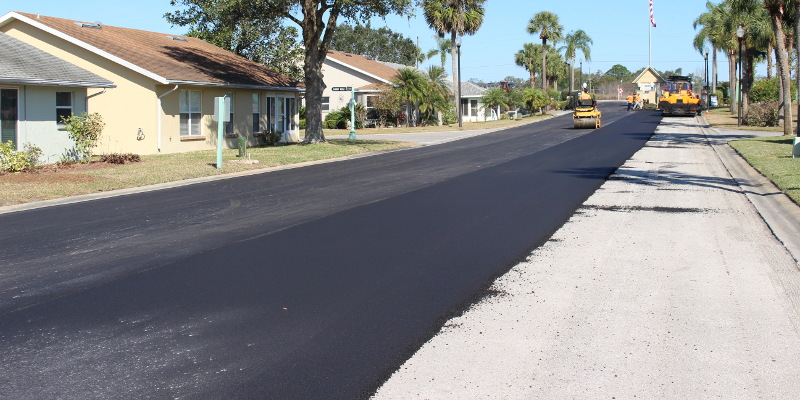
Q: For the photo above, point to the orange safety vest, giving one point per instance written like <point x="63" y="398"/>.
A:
<point x="630" y="98"/>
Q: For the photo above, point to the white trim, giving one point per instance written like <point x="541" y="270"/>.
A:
<point x="13" y="15"/>
<point x="358" y="70"/>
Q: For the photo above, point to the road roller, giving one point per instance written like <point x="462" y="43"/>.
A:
<point x="586" y="113"/>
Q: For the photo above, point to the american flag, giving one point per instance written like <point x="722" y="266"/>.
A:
<point x="652" y="20"/>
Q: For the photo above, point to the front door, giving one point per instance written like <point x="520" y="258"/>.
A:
<point x="8" y="115"/>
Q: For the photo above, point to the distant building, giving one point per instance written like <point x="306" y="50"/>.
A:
<point x="648" y="84"/>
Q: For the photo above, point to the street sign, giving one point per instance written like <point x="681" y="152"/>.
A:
<point x="342" y="88"/>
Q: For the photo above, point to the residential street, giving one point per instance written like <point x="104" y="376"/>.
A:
<point x="314" y="282"/>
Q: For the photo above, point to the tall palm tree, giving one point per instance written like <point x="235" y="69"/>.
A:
<point x="712" y="31"/>
<point x="576" y="41"/>
<point x="777" y="9"/>
<point x="455" y="18"/>
<point x="546" y="25"/>
<point x="409" y="84"/>
<point x="528" y="58"/>
<point x="443" y="47"/>
<point x="751" y="15"/>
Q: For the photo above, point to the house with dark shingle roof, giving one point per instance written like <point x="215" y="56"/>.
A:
<point x="370" y="77"/>
<point x="36" y="89"/>
<point x="163" y="101"/>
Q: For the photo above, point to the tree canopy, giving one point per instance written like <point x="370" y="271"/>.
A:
<point x="381" y="44"/>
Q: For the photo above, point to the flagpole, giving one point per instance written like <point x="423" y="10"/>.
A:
<point x="650" y="37"/>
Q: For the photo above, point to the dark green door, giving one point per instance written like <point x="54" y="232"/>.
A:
<point x="8" y="115"/>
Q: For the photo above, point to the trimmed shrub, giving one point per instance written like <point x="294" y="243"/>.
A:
<point x="85" y="130"/>
<point x="117" y="158"/>
<point x="17" y="161"/>
<point x="762" y="114"/>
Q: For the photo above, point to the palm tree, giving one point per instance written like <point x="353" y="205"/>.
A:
<point x="495" y="98"/>
<point x="712" y="32"/>
<point x="776" y="9"/>
<point x="435" y="93"/>
<point x="409" y="85"/>
<point x="751" y="15"/>
<point x="444" y="46"/>
<point x="528" y="58"/>
<point x="546" y="25"/>
<point x="455" y="18"/>
<point x="576" y="41"/>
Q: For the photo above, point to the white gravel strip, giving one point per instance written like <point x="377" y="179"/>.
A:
<point x="665" y="285"/>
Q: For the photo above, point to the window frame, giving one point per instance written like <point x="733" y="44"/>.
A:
<point x="190" y="122"/>
<point x="62" y="126"/>
<point x="257" y="113"/>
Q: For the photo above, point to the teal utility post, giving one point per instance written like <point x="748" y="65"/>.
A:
<point x="222" y="116"/>
<point x="220" y="130"/>
<point x="352" y="113"/>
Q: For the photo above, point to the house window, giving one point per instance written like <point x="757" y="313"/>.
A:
<point x="473" y="107"/>
<point x="63" y="108"/>
<point x="229" y="124"/>
<point x="270" y="114"/>
<point x="290" y="112"/>
<point x="280" y="115"/>
<point x="8" y="115"/>
<point x="256" y="113"/>
<point x="326" y="103"/>
<point x="190" y="112"/>
<point x="465" y="107"/>
<point x="371" y="113"/>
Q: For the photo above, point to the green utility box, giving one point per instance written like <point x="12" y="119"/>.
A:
<point x="242" y="146"/>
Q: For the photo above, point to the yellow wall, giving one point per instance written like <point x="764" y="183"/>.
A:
<point x="648" y="78"/>
<point x="133" y="106"/>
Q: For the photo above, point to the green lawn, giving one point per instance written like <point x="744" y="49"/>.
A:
<point x="52" y="183"/>
<point x="772" y="156"/>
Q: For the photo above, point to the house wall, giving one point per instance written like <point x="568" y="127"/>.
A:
<point x="337" y="75"/>
<point x="37" y="119"/>
<point x="131" y="110"/>
<point x="125" y="109"/>
<point x="647" y="86"/>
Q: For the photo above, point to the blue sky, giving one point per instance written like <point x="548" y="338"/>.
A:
<point x="618" y="28"/>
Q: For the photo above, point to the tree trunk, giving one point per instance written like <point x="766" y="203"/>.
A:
<point x="732" y="78"/>
<point x="769" y="61"/>
<point x="714" y="71"/>
<point x="544" y="64"/>
<point x="572" y="76"/>
<point x="316" y="49"/>
<point x="782" y="58"/>
<point x="314" y="88"/>
<point x="456" y="87"/>
<point x="533" y="78"/>
<point x="797" y="58"/>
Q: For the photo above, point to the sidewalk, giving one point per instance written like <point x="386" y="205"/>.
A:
<point x="667" y="283"/>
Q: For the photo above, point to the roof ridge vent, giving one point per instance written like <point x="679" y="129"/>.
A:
<point x="96" y="25"/>
<point x="178" y="38"/>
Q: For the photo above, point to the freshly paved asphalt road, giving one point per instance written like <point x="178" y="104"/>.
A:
<point x="309" y="283"/>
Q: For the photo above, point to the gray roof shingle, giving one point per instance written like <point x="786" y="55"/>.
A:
<point x="21" y="63"/>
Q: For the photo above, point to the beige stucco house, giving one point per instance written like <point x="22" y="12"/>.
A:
<point x="370" y="77"/>
<point x="163" y="101"/>
<point x="649" y="83"/>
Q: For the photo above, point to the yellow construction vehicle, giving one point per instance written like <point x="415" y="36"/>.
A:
<point x="678" y="98"/>
<point x="586" y="114"/>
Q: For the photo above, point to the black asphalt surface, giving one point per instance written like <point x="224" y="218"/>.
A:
<point x="311" y="283"/>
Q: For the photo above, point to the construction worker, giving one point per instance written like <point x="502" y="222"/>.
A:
<point x="637" y="102"/>
<point x="630" y="101"/>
